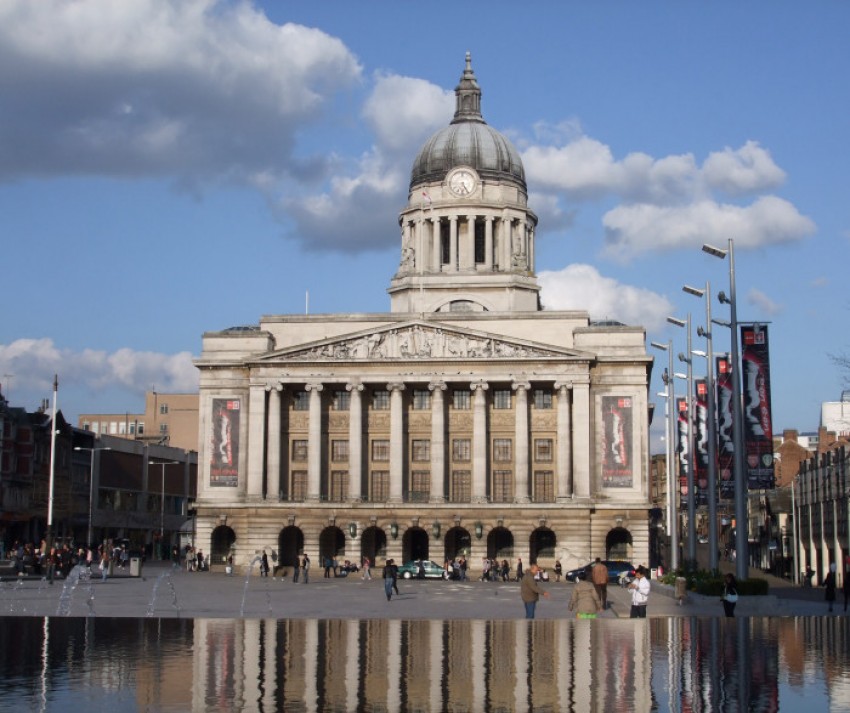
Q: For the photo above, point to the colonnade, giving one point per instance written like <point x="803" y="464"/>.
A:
<point x="572" y="442"/>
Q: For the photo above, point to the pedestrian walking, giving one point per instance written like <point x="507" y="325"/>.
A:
<point x="558" y="570"/>
<point x="305" y="568"/>
<point x="387" y="576"/>
<point x="394" y="570"/>
<point x="367" y="574"/>
<point x="585" y="600"/>
<point x="519" y="569"/>
<point x="830" y="586"/>
<point x="599" y="577"/>
<point x="530" y="591"/>
<point x="264" y="565"/>
<point x="640" y="594"/>
<point x="730" y="594"/>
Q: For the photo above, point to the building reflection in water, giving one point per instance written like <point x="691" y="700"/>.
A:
<point x="679" y="664"/>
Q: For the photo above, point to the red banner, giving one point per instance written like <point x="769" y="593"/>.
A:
<point x="725" y="430"/>
<point x="758" y="424"/>
<point x="683" y="449"/>
<point x="701" y="442"/>
<point x="224" y="446"/>
<point x="617" y="442"/>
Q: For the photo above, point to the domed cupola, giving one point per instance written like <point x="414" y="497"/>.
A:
<point x="467" y="233"/>
<point x="468" y="141"/>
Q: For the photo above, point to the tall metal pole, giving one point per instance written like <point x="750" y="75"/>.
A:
<point x="741" y="523"/>
<point x="52" y="463"/>
<point x="672" y="470"/>
<point x="92" y="452"/>
<point x="713" y="558"/>
<point x="692" y="505"/>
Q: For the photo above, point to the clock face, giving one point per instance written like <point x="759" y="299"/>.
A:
<point x="462" y="182"/>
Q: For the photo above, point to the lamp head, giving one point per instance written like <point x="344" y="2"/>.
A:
<point x="723" y="299"/>
<point x="695" y="291"/>
<point x="678" y="322"/>
<point x="683" y="358"/>
<point x="659" y="345"/>
<point x="702" y="333"/>
<point x="711" y="250"/>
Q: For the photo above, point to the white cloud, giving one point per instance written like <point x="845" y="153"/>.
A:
<point x="582" y="287"/>
<point x="202" y="88"/>
<point x="745" y="170"/>
<point x="32" y="363"/>
<point x="761" y="301"/>
<point x="634" y="229"/>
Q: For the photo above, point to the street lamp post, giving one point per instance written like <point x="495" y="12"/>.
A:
<point x="741" y="523"/>
<point x="91" y="451"/>
<point x="672" y="475"/>
<point x="712" y="425"/>
<point x="692" y="532"/>
<point x="162" y="502"/>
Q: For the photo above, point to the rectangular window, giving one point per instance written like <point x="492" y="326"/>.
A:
<point x="461" y="450"/>
<point x="543" y="450"/>
<point x="341" y="400"/>
<point x="122" y="428"/>
<point x="381" y="400"/>
<point x="542" y="399"/>
<point x="299" y="485"/>
<point x="544" y="486"/>
<point x="421" y="399"/>
<point x="300" y="401"/>
<point x="479" y="241"/>
<point x="299" y="451"/>
<point x="461" y="486"/>
<point x="379" y="486"/>
<point x="113" y="427"/>
<point x="421" y="450"/>
<point x="502" y="398"/>
<point x="503" y="486"/>
<point x="163" y="408"/>
<point x="461" y="400"/>
<point x="503" y="450"/>
<point x="339" y="486"/>
<point x="381" y="451"/>
<point x="339" y="451"/>
<point x="140" y="429"/>
<point x="420" y="486"/>
<point x="132" y="429"/>
<point x="163" y="428"/>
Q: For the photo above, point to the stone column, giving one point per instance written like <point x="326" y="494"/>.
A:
<point x="314" y="444"/>
<point x="436" y="244"/>
<point x="581" y="440"/>
<point x="256" y="440"/>
<point x="506" y="242"/>
<point x="521" y="494"/>
<point x="355" y="443"/>
<point x="563" y="462"/>
<point x="273" y="457"/>
<point x="396" y="442"/>
<point x="439" y="472"/>
<point x="488" y="242"/>
<point x="453" y="244"/>
<point x="479" y="442"/>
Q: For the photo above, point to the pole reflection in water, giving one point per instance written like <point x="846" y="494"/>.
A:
<point x="679" y="664"/>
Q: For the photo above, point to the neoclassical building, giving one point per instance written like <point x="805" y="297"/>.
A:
<point x="467" y="420"/>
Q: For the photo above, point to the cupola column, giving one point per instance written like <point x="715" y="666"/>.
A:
<point x="453" y="244"/>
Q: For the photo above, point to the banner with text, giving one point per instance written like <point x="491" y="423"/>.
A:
<point x="758" y="423"/>
<point x="683" y="449"/>
<point x="224" y="453"/>
<point x="701" y="442"/>
<point x="725" y="431"/>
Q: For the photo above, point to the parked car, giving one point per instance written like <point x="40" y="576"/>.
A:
<point x="616" y="568"/>
<point x="410" y="570"/>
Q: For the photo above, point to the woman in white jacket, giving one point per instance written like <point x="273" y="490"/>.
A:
<point x="640" y="594"/>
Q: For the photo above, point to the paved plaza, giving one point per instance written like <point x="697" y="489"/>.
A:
<point x="163" y="591"/>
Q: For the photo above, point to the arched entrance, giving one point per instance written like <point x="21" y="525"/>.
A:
<point x="542" y="545"/>
<point x="458" y="543"/>
<point x="618" y="544"/>
<point x="290" y="545"/>
<point x="222" y="540"/>
<point x="373" y="544"/>
<point x="414" y="545"/>
<point x="331" y="544"/>
<point x="500" y="544"/>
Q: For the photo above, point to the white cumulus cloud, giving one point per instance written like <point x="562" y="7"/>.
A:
<point x="582" y="287"/>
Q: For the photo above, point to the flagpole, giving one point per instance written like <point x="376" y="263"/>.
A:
<point x="52" y="463"/>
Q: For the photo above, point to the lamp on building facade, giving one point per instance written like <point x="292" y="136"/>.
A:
<point x="479" y="530"/>
<point x="435" y="529"/>
<point x="394" y="530"/>
<point x="352" y="529"/>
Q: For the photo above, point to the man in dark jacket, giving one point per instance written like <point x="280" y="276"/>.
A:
<point x="530" y="591"/>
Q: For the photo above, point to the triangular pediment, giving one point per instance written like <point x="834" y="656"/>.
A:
<point x="421" y="340"/>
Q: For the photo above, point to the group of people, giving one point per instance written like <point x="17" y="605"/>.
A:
<point x="59" y="560"/>
<point x="195" y="560"/>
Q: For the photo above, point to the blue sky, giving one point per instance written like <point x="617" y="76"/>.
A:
<point x="171" y="168"/>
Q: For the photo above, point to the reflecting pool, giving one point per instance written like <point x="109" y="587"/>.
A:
<point x="676" y="664"/>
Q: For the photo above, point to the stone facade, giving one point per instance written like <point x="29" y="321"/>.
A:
<point x="465" y="422"/>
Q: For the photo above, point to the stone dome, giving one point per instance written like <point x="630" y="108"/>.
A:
<point x="468" y="141"/>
